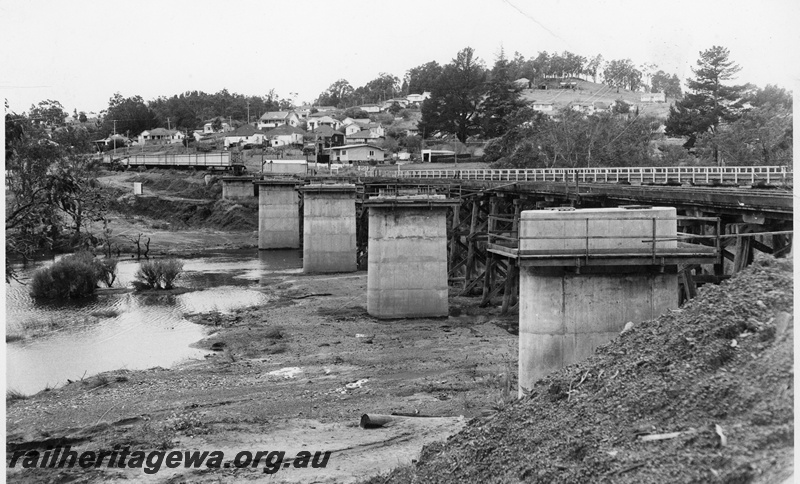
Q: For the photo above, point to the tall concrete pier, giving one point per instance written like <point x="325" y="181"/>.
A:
<point x="329" y="228"/>
<point x="278" y="214"/>
<point x="584" y="274"/>
<point x="407" y="268"/>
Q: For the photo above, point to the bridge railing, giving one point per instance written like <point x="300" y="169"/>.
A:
<point x="676" y="174"/>
<point x="176" y="159"/>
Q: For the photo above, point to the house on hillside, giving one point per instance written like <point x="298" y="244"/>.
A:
<point x="161" y="136"/>
<point x="371" y="108"/>
<point x="523" y="83"/>
<point x="363" y="136"/>
<point x="273" y="119"/>
<point x="581" y="107"/>
<point x="327" y="137"/>
<point x="417" y="99"/>
<point x="543" y="106"/>
<point x="285" y="135"/>
<point x="209" y="128"/>
<point x="401" y="101"/>
<point x="246" y="135"/>
<point x="314" y="122"/>
<point x="654" y="97"/>
<point x="601" y="107"/>
<point x="357" y="152"/>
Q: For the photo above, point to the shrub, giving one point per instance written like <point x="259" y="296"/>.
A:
<point x="147" y="275"/>
<point x="170" y="270"/>
<point x="73" y="276"/>
<point x="158" y="274"/>
<point x="108" y="271"/>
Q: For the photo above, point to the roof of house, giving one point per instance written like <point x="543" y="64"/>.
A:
<point x="326" y="130"/>
<point x="328" y="119"/>
<point x="161" y="132"/>
<point x="275" y="115"/>
<point x="364" y="133"/>
<point x="243" y="130"/>
<point x="285" y="129"/>
<point x="601" y="105"/>
<point x="358" y="145"/>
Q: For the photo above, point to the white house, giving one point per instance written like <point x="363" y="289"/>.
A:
<point x="357" y="152"/>
<point x="351" y="129"/>
<point x="315" y="122"/>
<point x="208" y="128"/>
<point x="654" y="97"/>
<point x="161" y="136"/>
<point x="585" y="108"/>
<point x="245" y="134"/>
<point x="285" y="135"/>
<point x="543" y="106"/>
<point x="418" y="98"/>
<point x="273" y="119"/>
<point x="371" y="108"/>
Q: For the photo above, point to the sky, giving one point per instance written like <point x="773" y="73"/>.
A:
<point x="81" y="52"/>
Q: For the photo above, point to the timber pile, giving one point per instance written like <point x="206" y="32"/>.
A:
<point x="702" y="394"/>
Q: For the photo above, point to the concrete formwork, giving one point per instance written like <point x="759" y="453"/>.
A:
<point x="329" y="228"/>
<point x="566" y="313"/>
<point x="407" y="266"/>
<point x="278" y="214"/>
<point x="237" y="187"/>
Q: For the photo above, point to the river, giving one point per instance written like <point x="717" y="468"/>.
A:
<point x="76" y="339"/>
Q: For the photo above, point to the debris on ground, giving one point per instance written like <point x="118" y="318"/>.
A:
<point x="669" y="400"/>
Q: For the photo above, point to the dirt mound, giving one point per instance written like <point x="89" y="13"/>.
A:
<point x="186" y="213"/>
<point x="702" y="394"/>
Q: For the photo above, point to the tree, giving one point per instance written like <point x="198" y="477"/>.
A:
<point x="44" y="182"/>
<point x="501" y="101"/>
<point x="761" y="136"/>
<point x="338" y="94"/>
<point x="669" y="85"/>
<point x="622" y="74"/>
<point x="711" y="102"/>
<point x="131" y="115"/>
<point x="50" y="113"/>
<point x="455" y="98"/>
<point x="422" y="78"/>
<point x="593" y="67"/>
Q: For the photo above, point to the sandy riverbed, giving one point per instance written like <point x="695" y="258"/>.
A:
<point x="244" y="398"/>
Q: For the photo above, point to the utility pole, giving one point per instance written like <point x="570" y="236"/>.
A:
<point x="169" y="126"/>
<point x="248" y="112"/>
<point x="115" y="135"/>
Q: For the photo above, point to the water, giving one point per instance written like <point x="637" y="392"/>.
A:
<point x="132" y="331"/>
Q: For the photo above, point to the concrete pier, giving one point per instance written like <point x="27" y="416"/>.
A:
<point x="238" y="188"/>
<point x="407" y="267"/>
<point x="584" y="274"/>
<point x="329" y="228"/>
<point x="278" y="214"/>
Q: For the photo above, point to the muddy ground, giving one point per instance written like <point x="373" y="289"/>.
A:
<point x="239" y="399"/>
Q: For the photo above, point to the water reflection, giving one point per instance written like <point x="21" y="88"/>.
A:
<point x="129" y="330"/>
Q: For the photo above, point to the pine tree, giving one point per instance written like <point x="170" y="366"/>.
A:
<point x="710" y="102"/>
<point x="502" y="100"/>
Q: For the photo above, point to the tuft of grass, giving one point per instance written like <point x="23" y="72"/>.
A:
<point x="13" y="395"/>
<point x="11" y="337"/>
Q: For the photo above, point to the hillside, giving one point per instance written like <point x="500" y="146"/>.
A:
<point x="591" y="92"/>
<point x="701" y="394"/>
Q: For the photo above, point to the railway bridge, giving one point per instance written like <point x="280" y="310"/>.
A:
<point x="736" y="211"/>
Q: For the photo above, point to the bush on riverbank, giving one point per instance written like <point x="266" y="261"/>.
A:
<point x="158" y="274"/>
<point x="73" y="276"/>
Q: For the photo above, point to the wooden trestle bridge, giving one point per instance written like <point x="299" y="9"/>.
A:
<point x="735" y="213"/>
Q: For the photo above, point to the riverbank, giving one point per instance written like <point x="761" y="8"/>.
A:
<point x="291" y="375"/>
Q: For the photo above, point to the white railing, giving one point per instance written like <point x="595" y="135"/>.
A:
<point x="699" y="175"/>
